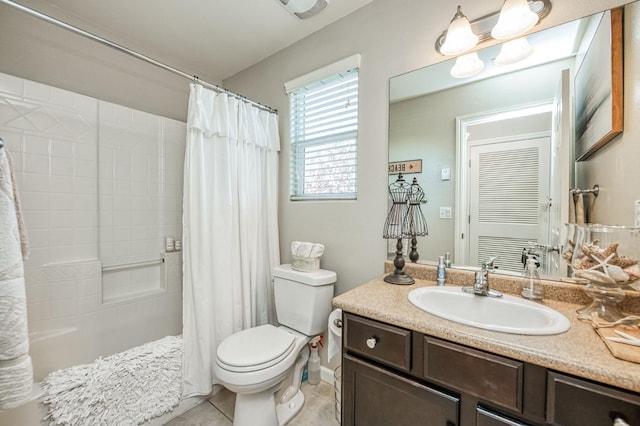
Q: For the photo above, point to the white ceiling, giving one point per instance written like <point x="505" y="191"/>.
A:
<point x="213" y="39"/>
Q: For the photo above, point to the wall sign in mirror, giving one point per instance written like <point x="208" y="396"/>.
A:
<point x="599" y="87"/>
<point x="405" y="167"/>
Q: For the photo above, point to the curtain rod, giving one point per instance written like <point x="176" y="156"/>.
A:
<point x="130" y="52"/>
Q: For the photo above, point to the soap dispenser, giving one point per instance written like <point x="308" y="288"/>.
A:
<point x="532" y="288"/>
<point x="440" y="272"/>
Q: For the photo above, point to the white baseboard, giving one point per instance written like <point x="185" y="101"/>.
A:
<point x="326" y="375"/>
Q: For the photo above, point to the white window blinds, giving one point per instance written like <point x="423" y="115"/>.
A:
<point x="324" y="134"/>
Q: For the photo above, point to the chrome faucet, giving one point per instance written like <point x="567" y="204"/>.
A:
<point x="481" y="286"/>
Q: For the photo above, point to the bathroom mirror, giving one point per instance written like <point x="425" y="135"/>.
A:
<point x="448" y="124"/>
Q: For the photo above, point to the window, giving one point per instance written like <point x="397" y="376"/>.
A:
<point x="324" y="134"/>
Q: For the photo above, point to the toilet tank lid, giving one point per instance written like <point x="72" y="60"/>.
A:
<point x="314" y="278"/>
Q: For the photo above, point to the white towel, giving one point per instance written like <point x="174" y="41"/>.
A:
<point x="16" y="374"/>
<point x="16" y="378"/>
<point x="14" y="334"/>
<point x="572" y="207"/>
<point x="576" y="208"/>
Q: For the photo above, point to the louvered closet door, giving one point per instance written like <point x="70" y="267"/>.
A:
<point x="509" y="187"/>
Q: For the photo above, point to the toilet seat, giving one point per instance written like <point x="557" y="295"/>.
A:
<point x="255" y="348"/>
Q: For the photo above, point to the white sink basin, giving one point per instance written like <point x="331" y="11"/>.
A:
<point x="507" y="314"/>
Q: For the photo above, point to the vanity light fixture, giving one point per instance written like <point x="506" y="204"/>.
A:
<point x="499" y="25"/>
<point x="513" y="51"/>
<point x="459" y="37"/>
<point x="467" y="66"/>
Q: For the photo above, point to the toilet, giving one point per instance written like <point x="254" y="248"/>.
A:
<point x="263" y="365"/>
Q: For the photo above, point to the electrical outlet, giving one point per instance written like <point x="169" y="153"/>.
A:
<point x="445" y="212"/>
<point x="636" y="216"/>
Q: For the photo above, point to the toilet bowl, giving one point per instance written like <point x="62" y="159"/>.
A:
<point x="263" y="365"/>
<point x="258" y="377"/>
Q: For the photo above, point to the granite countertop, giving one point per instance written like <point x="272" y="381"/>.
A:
<point x="579" y="351"/>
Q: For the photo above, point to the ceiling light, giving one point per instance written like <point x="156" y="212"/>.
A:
<point x="516" y="18"/>
<point x="513" y="51"/>
<point x="459" y="37"/>
<point x="304" y="9"/>
<point x="467" y="66"/>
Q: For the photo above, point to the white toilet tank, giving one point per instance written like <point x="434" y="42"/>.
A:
<point x="303" y="299"/>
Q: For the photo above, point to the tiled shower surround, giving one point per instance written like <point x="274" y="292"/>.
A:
<point x="100" y="185"/>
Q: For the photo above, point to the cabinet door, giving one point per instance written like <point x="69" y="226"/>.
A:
<point x="375" y="396"/>
<point x="576" y="402"/>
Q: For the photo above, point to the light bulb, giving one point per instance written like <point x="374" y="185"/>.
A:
<point x="467" y="66"/>
<point x="459" y="36"/>
<point x="513" y="51"/>
<point x="516" y="18"/>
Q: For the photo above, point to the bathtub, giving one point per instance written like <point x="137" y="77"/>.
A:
<point x="57" y="341"/>
<point x="83" y="327"/>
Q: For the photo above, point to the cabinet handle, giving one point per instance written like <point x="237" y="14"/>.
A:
<point x="371" y="343"/>
<point x="619" y="422"/>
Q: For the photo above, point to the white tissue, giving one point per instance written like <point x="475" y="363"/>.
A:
<point x="335" y="334"/>
<point x="295" y="247"/>
<point x="306" y="249"/>
<point x="317" y="250"/>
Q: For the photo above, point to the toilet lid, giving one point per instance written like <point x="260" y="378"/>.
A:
<point x="255" y="348"/>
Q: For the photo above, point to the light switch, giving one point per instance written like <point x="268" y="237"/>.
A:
<point x="445" y="212"/>
<point x="445" y="173"/>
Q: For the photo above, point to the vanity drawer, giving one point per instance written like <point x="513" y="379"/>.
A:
<point x="572" y="401"/>
<point x="486" y="376"/>
<point x="378" y="341"/>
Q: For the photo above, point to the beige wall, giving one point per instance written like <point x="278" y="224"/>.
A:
<point x="616" y="167"/>
<point x="393" y="38"/>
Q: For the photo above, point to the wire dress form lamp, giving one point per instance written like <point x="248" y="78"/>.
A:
<point x="394" y="227"/>
<point x="416" y="224"/>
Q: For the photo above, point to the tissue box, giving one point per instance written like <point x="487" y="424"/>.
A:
<point x="305" y="264"/>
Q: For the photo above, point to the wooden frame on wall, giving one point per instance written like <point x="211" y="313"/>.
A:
<point x="599" y="83"/>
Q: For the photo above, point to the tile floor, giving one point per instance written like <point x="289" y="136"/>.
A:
<point x="318" y="409"/>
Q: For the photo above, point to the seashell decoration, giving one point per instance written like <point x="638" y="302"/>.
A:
<point x="605" y="265"/>
<point x="568" y="253"/>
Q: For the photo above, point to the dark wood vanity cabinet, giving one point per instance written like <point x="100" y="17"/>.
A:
<point x="378" y="396"/>
<point x="377" y="386"/>
<point x="393" y="376"/>
<point x="576" y="402"/>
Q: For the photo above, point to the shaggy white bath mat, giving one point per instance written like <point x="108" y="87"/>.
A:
<point x="127" y="388"/>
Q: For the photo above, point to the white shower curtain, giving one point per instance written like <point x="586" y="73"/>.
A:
<point x="230" y="227"/>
